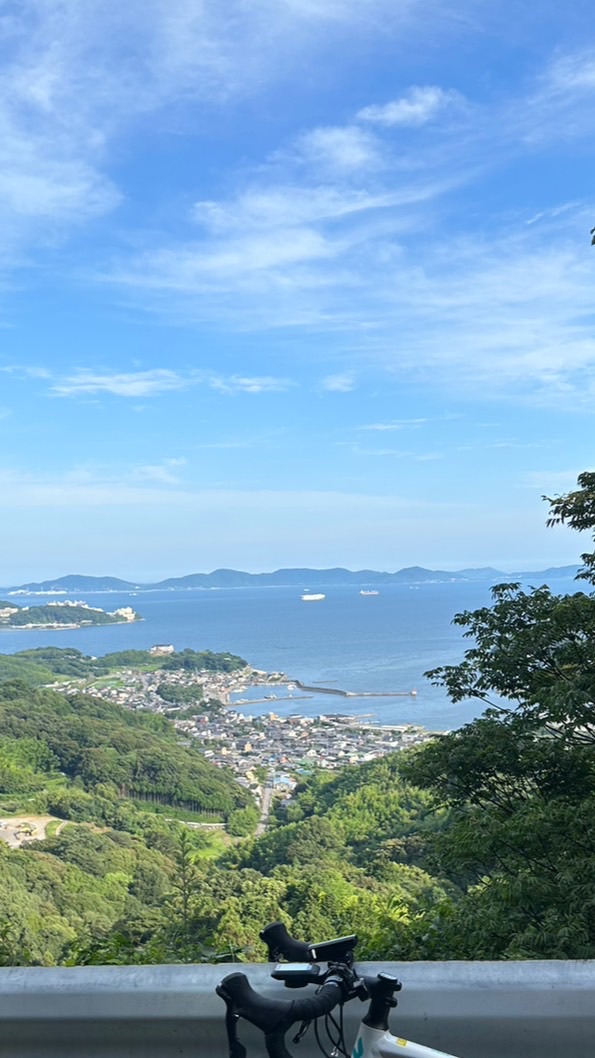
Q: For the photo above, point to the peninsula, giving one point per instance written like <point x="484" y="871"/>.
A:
<point x="62" y="614"/>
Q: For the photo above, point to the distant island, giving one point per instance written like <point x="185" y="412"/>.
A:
<point x="64" y="614"/>
<point x="298" y="578"/>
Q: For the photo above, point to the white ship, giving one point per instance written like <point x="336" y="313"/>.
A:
<point x="372" y="592"/>
<point x="307" y="597"/>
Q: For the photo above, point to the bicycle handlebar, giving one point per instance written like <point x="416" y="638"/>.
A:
<point x="281" y="944"/>
<point x="274" y="1016"/>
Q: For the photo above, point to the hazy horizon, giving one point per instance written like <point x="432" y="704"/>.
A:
<point x="522" y="568"/>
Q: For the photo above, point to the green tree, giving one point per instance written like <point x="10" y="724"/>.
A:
<point x="243" y="821"/>
<point x="519" y="783"/>
<point x="180" y="936"/>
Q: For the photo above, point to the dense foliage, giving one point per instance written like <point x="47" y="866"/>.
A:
<point x="94" y="742"/>
<point x="520" y="781"/>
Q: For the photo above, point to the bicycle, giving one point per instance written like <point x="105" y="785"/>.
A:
<point x="338" y="984"/>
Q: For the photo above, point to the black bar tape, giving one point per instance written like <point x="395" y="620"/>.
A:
<point x="281" y="943"/>
<point x="274" y="1016"/>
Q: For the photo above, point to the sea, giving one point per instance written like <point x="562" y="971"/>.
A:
<point x="381" y="644"/>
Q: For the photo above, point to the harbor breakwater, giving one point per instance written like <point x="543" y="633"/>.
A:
<point x="354" y="694"/>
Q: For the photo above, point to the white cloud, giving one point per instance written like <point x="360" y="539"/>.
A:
<point x="287" y="206"/>
<point x="381" y="453"/>
<point x="23" y="372"/>
<point x="223" y="445"/>
<point x="397" y="424"/>
<point x="339" y="150"/>
<point x="133" y="384"/>
<point x="158" y="381"/>
<point x="339" y="383"/>
<point x="75" y="76"/>
<point x="274" y="253"/>
<point x="561" y="106"/>
<point x="260" y="384"/>
<point x="399" y="453"/>
<point x="395" y="294"/>
<point x="164" y="472"/>
<point x="420" y="105"/>
<point x="335" y="232"/>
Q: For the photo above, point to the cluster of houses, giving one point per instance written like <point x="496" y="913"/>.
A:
<point x="293" y="744"/>
<point x="279" y="748"/>
<point x="138" y="690"/>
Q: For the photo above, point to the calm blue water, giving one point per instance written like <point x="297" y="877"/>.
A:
<point x="358" y="643"/>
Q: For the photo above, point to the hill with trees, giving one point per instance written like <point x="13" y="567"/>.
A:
<point x="61" y="615"/>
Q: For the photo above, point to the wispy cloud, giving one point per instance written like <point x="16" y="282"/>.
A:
<point x="339" y="151"/>
<point x="166" y="472"/>
<point x="22" y="371"/>
<point x="133" y="384"/>
<point x="561" y="105"/>
<point x="381" y="453"/>
<point x="396" y="424"/>
<point x="298" y="236"/>
<point x="396" y="453"/>
<point x="159" y="381"/>
<point x="343" y="382"/>
<point x="346" y="231"/>
<point x="234" y="384"/>
<point x="61" y="104"/>
<point x="224" y="445"/>
<point x="418" y="106"/>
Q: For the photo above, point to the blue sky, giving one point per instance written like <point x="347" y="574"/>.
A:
<point x="293" y="282"/>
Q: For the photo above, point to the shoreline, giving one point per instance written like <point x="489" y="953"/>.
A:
<point x="344" y="720"/>
<point x="66" y="627"/>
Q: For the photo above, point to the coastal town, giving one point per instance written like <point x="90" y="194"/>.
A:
<point x="268" y="749"/>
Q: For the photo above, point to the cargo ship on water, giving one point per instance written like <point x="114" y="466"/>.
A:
<point x="312" y="597"/>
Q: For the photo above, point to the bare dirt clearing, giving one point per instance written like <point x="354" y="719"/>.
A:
<point x="16" y="830"/>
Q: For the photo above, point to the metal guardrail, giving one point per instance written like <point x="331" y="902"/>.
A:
<point x="474" y="1010"/>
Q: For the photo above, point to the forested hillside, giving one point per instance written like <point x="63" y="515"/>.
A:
<point x="47" y="738"/>
<point x="117" y="883"/>
<point x="41" y="665"/>
<point x="106" y="770"/>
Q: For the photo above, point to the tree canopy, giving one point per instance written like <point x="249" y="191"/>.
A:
<point x="519" y="783"/>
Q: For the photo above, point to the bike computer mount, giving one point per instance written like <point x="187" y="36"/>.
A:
<point x="296" y="974"/>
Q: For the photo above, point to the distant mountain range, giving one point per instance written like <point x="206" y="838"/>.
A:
<point x="298" y="578"/>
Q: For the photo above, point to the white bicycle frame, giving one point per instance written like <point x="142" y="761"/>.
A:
<point x="375" y="1043"/>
